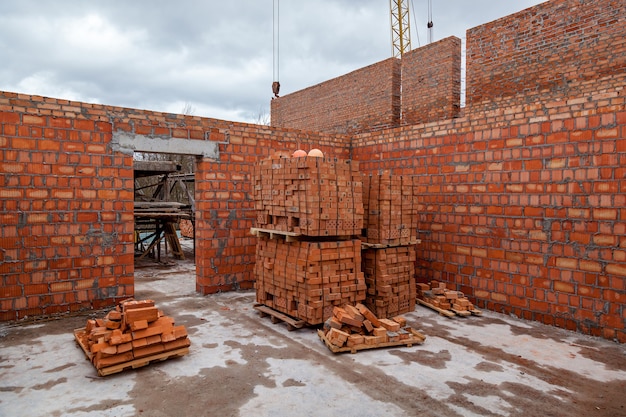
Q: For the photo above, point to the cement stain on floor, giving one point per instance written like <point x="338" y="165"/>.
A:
<point x="241" y="364"/>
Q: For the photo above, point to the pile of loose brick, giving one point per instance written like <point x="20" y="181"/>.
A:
<point x="186" y="228"/>
<point x="131" y="335"/>
<point x="391" y="232"/>
<point x="438" y="295"/>
<point x="309" y="196"/>
<point x="356" y="326"/>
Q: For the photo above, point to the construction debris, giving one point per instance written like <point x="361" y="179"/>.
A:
<point x="354" y="327"/>
<point x="447" y="302"/>
<point x="132" y="335"/>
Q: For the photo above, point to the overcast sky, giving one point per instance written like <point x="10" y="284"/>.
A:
<point x="214" y="58"/>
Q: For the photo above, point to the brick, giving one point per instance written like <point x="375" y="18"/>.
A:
<point x="564" y="287"/>
<point x="616" y="269"/>
<point x="568" y="263"/>
<point x="390" y="325"/>
<point x="138" y="324"/>
<point x="176" y="344"/>
<point x="368" y="315"/>
<point x="605" y="214"/>
<point x="590" y="266"/>
<point x="355" y="340"/>
<point x="346" y="318"/>
<point x="29" y="119"/>
<point x="337" y="337"/>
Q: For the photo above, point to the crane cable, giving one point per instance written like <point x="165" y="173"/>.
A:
<point x="276" y="46"/>
<point x="415" y="23"/>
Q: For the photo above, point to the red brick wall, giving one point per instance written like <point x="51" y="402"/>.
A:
<point x="525" y="215"/>
<point x="66" y="230"/>
<point x="523" y="198"/>
<point x="431" y="82"/>
<point x="365" y="99"/>
<point x="555" y="49"/>
<point x="424" y="86"/>
<point x="66" y="213"/>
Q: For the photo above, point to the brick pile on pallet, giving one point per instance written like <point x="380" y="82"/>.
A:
<point x="390" y="279"/>
<point x="390" y="209"/>
<point x="307" y="279"/>
<point x="131" y="335"/>
<point x="318" y="203"/>
<point x="390" y="233"/>
<point x="309" y="196"/>
<point x="438" y="295"/>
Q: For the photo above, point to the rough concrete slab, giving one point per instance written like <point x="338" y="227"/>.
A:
<point x="132" y="142"/>
<point x="243" y="365"/>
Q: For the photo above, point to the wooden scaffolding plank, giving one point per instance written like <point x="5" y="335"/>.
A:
<point x="172" y="239"/>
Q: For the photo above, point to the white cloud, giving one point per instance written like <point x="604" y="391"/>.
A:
<point x="160" y="54"/>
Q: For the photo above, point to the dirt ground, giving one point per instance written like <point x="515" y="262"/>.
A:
<point x="243" y="365"/>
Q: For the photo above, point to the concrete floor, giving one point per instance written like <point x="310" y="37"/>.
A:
<point x="243" y="365"/>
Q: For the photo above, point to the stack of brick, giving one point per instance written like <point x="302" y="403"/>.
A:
<point x="438" y="295"/>
<point x="390" y="208"/>
<point x="320" y="201"/>
<point x="309" y="196"/>
<point x="134" y="333"/>
<point x="390" y="279"/>
<point x="307" y="279"/>
<point x="354" y="325"/>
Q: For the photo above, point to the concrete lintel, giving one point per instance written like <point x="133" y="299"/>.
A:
<point x="131" y="142"/>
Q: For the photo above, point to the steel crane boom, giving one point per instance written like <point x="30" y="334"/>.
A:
<point x="400" y="27"/>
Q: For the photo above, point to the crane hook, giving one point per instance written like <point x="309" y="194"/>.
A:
<point x="276" y="88"/>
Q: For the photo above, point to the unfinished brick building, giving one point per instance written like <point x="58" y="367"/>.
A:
<point x="522" y="198"/>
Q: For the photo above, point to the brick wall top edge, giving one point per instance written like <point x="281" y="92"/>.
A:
<point x="488" y="26"/>
<point x="433" y="45"/>
<point x="37" y="101"/>
<point x="466" y="123"/>
<point x="389" y="61"/>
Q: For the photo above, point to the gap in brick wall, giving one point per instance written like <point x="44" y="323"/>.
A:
<point x="463" y="70"/>
<point x="164" y="227"/>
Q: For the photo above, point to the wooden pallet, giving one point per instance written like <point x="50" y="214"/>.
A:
<point x="296" y="237"/>
<point x="367" y="245"/>
<point x="133" y="364"/>
<point x="278" y="317"/>
<point x="451" y="312"/>
<point x="416" y="339"/>
<point x="272" y="234"/>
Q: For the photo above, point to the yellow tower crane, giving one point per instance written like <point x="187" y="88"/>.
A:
<point x="400" y="27"/>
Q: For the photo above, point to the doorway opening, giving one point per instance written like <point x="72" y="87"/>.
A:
<point x="164" y="224"/>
